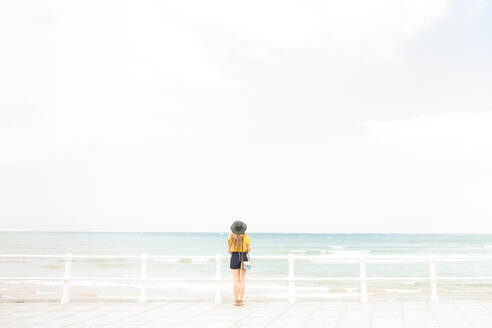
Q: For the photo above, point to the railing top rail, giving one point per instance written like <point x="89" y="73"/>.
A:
<point x="317" y="258"/>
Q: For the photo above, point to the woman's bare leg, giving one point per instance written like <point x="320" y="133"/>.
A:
<point x="242" y="284"/>
<point x="235" y="285"/>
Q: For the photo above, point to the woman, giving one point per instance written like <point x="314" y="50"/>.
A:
<point x="238" y="245"/>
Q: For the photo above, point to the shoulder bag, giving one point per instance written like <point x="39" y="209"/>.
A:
<point x="246" y="265"/>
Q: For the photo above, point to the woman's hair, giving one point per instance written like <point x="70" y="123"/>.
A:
<point x="235" y="240"/>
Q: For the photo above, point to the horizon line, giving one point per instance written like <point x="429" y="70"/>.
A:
<point x="270" y="232"/>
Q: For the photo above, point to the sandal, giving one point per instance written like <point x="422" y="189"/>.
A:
<point x="240" y="303"/>
<point x="236" y="303"/>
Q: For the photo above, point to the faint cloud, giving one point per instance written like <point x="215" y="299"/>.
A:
<point x="369" y="29"/>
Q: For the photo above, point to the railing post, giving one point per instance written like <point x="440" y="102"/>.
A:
<point x="66" y="279"/>
<point x="218" y="299"/>
<point x="433" y="279"/>
<point x="292" y="291"/>
<point x="363" y="280"/>
<point x="143" y="276"/>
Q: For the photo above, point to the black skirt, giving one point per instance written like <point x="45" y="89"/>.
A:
<point x="236" y="259"/>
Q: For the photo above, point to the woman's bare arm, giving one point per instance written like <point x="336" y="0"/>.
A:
<point x="229" y="250"/>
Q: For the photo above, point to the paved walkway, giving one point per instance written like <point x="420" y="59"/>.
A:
<point x="408" y="314"/>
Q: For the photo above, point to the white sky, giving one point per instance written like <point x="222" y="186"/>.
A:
<point x="295" y="116"/>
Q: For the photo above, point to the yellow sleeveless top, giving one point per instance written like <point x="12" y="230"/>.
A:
<point x="246" y="241"/>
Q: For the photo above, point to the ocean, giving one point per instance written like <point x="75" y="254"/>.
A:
<point x="210" y="244"/>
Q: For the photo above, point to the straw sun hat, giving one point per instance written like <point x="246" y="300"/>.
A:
<point x="238" y="227"/>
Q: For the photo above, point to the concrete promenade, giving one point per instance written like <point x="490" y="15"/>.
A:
<point x="408" y="314"/>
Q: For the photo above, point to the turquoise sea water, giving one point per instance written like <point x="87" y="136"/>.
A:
<point x="262" y="244"/>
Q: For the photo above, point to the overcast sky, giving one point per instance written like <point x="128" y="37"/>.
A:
<point x="295" y="116"/>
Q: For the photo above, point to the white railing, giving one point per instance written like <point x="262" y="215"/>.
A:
<point x="291" y="279"/>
